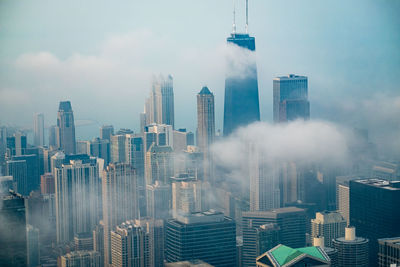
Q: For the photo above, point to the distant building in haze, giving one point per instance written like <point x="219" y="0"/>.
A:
<point x="158" y="200"/>
<point x="119" y="189"/>
<point x="65" y="131"/>
<point x="106" y="131"/>
<point x="159" y="107"/>
<point x="38" y="129"/>
<point x="25" y="172"/>
<point x="77" y="187"/>
<point x="159" y="164"/>
<point x="290" y="96"/>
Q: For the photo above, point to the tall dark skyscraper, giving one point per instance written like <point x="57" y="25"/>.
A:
<point x="241" y="105"/>
<point x="374" y="211"/>
<point x="291" y="98"/>
<point x="65" y="130"/>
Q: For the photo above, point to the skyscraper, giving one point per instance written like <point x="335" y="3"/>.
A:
<point x="106" y="131"/>
<point x="25" y="172"/>
<point x="65" y="131"/>
<point x="33" y="246"/>
<point x="158" y="200"/>
<point x="99" y="148"/>
<point x="129" y="245"/>
<point x="208" y="236"/>
<point x="119" y="200"/>
<point x="13" y="244"/>
<point x="77" y="187"/>
<point x="389" y="251"/>
<point x="159" y="164"/>
<point x="38" y="129"/>
<point x="352" y="250"/>
<point x="80" y="259"/>
<point x="241" y="105"/>
<point x="329" y="224"/>
<point x="205" y="128"/>
<point x="374" y="211"/>
<point x="290" y="96"/>
<point x="159" y="107"/>
<point x="292" y="224"/>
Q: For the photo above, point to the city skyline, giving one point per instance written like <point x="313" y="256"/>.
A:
<point x="303" y="55"/>
<point x="177" y="146"/>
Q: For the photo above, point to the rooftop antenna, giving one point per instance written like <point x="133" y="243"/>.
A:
<point x="234" y="18"/>
<point x="247" y="16"/>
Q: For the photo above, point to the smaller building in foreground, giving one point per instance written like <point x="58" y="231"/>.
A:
<point x="282" y="255"/>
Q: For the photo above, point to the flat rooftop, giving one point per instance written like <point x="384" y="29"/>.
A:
<point x="380" y="183"/>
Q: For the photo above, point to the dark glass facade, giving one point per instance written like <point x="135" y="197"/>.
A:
<point x="374" y="211"/>
<point x="211" y="242"/>
<point x="241" y="105"/>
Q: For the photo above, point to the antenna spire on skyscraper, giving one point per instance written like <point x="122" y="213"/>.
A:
<point x="234" y="18"/>
<point x="247" y="16"/>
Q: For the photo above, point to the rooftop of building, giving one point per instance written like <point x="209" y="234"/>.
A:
<point x="205" y="91"/>
<point x="192" y="263"/>
<point x="273" y="213"/>
<point x="290" y="77"/>
<point x="282" y="255"/>
<point x="328" y="217"/>
<point x="356" y="240"/>
<point x="380" y="183"/>
<point x="390" y="240"/>
<point x="65" y="106"/>
<point x="210" y="216"/>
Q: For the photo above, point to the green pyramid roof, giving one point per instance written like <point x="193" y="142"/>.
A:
<point x="283" y="254"/>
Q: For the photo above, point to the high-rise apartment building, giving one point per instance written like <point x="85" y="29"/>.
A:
<point x="53" y="136"/>
<point x="374" y="211"/>
<point x="352" y="250"/>
<point x="290" y="96"/>
<point x="98" y="240"/>
<point x="47" y="184"/>
<point x="16" y="145"/>
<point x="118" y="153"/>
<point x="389" y="251"/>
<point x="129" y="245"/>
<point x="13" y="252"/>
<point x="159" y="164"/>
<point x="206" y="128"/>
<point x="106" y="131"/>
<point x="77" y="190"/>
<point x="241" y="105"/>
<point x="208" y="236"/>
<point x="83" y="241"/>
<point x="32" y="246"/>
<point x="156" y="240"/>
<point x="186" y="197"/>
<point x="329" y="224"/>
<point x="25" y="172"/>
<point x="119" y="189"/>
<point x="80" y="259"/>
<point x="99" y="148"/>
<point x="292" y="224"/>
<point x="158" y="200"/>
<point x="159" y="107"/>
<point x="65" y="131"/>
<point x="38" y="129"/>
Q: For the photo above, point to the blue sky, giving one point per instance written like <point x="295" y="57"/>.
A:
<point x="101" y="54"/>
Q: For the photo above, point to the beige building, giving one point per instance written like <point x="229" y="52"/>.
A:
<point x="329" y="224"/>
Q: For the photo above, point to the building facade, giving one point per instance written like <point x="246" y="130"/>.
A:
<point x="290" y="96"/>
<point x="65" y="131"/>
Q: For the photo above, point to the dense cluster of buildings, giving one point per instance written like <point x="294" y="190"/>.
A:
<point x="155" y="197"/>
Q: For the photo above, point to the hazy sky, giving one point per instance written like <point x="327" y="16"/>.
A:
<point x="101" y="55"/>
